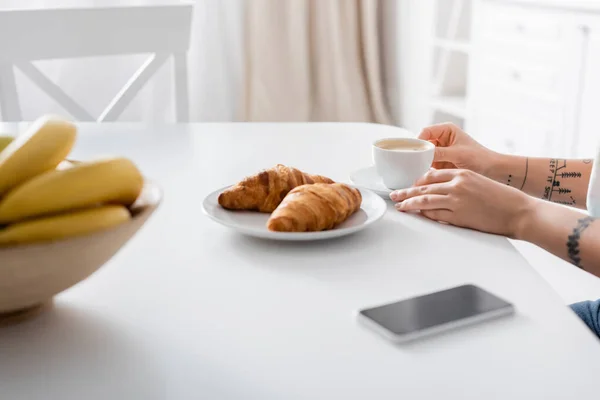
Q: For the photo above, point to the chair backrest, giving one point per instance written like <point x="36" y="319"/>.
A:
<point x="37" y="34"/>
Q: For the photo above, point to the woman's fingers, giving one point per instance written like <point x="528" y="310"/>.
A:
<point x="445" y="137"/>
<point x="436" y="188"/>
<point x="438" y="215"/>
<point x="443" y="165"/>
<point x="436" y="176"/>
<point x="444" y="133"/>
<point x="444" y="154"/>
<point x="425" y="202"/>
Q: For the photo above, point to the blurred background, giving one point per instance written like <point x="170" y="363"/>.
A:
<point x="519" y="75"/>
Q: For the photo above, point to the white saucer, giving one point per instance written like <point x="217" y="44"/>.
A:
<point x="254" y="224"/>
<point x="369" y="179"/>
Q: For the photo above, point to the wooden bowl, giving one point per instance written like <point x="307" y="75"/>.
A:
<point x="30" y="275"/>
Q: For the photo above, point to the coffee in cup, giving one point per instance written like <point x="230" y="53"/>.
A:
<point x="401" y="161"/>
<point x="402" y="145"/>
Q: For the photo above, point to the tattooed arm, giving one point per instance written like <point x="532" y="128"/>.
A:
<point x="452" y="194"/>
<point x="566" y="233"/>
<point x="557" y="180"/>
<point x="471" y="200"/>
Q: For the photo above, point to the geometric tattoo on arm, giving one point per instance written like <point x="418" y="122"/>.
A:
<point x="510" y="177"/>
<point x="573" y="241"/>
<point x="554" y="184"/>
<point x="526" y="171"/>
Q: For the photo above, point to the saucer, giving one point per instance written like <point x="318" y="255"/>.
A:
<point x="369" y="179"/>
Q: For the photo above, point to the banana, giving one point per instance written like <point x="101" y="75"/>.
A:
<point x="64" y="226"/>
<point x="40" y="148"/>
<point x="64" y="165"/>
<point x="5" y="141"/>
<point x="82" y="185"/>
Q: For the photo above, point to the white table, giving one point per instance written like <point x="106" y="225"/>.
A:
<point x="191" y="310"/>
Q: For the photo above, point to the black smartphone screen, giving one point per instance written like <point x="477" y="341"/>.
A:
<point x="439" y="308"/>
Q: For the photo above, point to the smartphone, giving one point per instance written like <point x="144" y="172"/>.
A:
<point x="433" y="313"/>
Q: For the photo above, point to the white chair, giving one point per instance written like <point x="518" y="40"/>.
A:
<point x="40" y="34"/>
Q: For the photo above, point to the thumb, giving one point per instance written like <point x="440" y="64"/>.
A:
<point x="446" y="154"/>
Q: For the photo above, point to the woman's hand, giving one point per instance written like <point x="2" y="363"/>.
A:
<point x="464" y="198"/>
<point x="456" y="149"/>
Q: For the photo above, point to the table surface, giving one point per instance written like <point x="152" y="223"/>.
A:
<point x="189" y="309"/>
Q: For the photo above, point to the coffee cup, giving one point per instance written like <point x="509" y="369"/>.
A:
<point x="401" y="161"/>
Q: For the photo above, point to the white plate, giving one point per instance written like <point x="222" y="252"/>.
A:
<point x="253" y="223"/>
<point x="369" y="179"/>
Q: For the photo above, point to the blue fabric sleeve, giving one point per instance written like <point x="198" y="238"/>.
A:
<point x="589" y="312"/>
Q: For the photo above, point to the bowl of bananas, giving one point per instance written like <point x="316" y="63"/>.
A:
<point x="61" y="220"/>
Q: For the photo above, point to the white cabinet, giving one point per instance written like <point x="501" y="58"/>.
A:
<point x="532" y="76"/>
<point x="587" y="136"/>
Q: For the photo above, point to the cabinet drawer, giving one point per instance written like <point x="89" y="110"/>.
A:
<point x="528" y="77"/>
<point x="519" y="34"/>
<point x="512" y="135"/>
<point x="517" y="24"/>
<point x="518" y="103"/>
<point x="521" y="27"/>
<point x="530" y="53"/>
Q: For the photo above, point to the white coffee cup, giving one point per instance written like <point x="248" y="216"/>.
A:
<point x="401" y="161"/>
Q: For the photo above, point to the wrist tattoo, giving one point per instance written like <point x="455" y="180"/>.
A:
<point x="554" y="186"/>
<point x="573" y="240"/>
<point x="526" y="171"/>
<point x="510" y="179"/>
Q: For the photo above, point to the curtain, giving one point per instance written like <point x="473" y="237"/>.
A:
<point x="314" y="60"/>
<point x="215" y="69"/>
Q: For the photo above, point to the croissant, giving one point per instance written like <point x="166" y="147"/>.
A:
<point x="264" y="191"/>
<point x="315" y="207"/>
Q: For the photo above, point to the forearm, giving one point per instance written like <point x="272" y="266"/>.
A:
<point x="566" y="233"/>
<point x="557" y="180"/>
